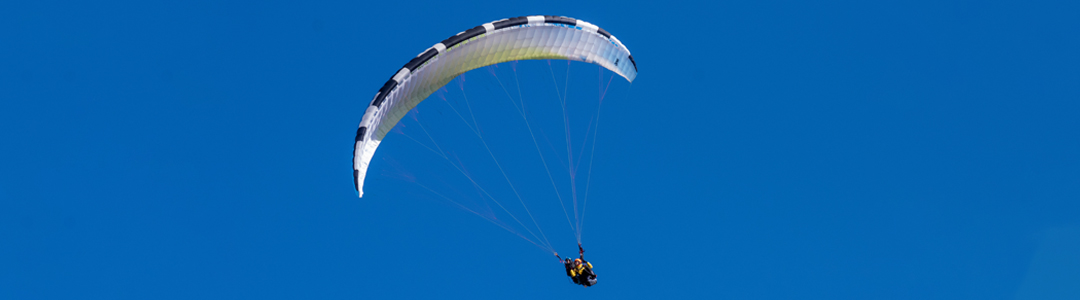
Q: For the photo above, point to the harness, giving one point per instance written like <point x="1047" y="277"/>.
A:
<point x="583" y="268"/>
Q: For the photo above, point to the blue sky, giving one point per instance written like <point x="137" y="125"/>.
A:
<point x="767" y="150"/>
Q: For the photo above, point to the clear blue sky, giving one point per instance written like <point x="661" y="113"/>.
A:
<point x="767" y="150"/>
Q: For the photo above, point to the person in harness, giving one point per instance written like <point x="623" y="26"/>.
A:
<point x="579" y="270"/>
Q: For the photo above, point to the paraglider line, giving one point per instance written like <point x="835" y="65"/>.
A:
<point x="536" y="144"/>
<point x="508" y="181"/>
<point x="470" y="126"/>
<point x="477" y="185"/>
<point x="592" y="155"/>
<point x="569" y="147"/>
<point x="511" y="230"/>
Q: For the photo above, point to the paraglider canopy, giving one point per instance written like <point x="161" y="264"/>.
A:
<point x="521" y="38"/>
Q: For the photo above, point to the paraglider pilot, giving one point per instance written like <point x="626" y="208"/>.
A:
<point x="579" y="270"/>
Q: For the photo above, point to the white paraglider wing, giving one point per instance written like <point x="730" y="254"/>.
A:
<point x="521" y="38"/>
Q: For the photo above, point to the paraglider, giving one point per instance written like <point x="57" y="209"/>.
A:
<point x="506" y="40"/>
